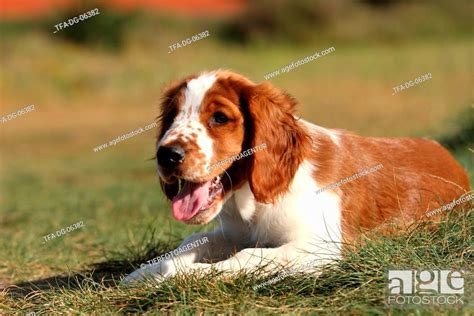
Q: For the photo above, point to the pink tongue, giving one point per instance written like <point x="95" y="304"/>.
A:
<point x="191" y="198"/>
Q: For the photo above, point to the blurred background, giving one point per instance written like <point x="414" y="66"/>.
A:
<point x="103" y="77"/>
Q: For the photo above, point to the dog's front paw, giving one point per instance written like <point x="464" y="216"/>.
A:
<point x="142" y="275"/>
<point x="156" y="272"/>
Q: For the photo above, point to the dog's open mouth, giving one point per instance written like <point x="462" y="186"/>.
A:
<point x="195" y="197"/>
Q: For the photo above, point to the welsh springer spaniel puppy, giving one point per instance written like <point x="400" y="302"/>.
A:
<point x="279" y="206"/>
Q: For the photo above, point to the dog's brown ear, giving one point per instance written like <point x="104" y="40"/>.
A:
<point x="273" y="123"/>
<point x="169" y="106"/>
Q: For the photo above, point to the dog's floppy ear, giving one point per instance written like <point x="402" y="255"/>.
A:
<point x="169" y="109"/>
<point x="272" y="123"/>
<point x="169" y="106"/>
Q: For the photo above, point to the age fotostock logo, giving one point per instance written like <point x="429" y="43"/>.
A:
<point x="415" y="287"/>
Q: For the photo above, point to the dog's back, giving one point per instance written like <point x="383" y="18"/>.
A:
<point x="416" y="176"/>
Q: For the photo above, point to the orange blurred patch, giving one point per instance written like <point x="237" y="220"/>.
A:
<point x="16" y="9"/>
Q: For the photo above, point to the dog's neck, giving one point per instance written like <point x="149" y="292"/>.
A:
<point x="247" y="218"/>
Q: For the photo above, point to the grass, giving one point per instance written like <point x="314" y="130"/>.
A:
<point x="356" y="283"/>
<point x="51" y="178"/>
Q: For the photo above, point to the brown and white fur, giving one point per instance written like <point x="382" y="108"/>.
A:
<point x="269" y="213"/>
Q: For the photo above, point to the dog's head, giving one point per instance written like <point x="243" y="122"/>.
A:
<point x="207" y="121"/>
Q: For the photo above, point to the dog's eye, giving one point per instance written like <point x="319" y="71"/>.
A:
<point x="220" y="118"/>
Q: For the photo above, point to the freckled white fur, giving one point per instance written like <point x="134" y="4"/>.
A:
<point x="187" y="121"/>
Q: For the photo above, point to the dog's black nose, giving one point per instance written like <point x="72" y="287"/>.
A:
<point x="170" y="157"/>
